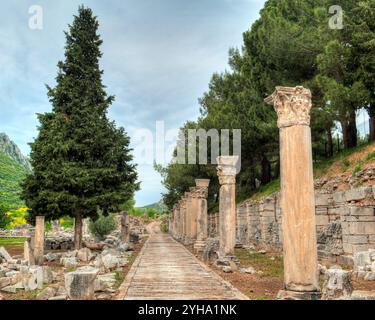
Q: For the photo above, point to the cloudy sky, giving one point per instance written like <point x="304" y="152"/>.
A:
<point x="159" y="56"/>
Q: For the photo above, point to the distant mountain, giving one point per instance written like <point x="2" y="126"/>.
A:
<point x="158" y="206"/>
<point x="13" y="169"/>
<point x="9" y="148"/>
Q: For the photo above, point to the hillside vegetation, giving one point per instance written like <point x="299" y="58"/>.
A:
<point x="11" y="174"/>
<point x="340" y="168"/>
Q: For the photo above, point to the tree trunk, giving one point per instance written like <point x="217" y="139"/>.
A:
<point x="353" y="129"/>
<point x="345" y="134"/>
<point x="372" y="127"/>
<point x="276" y="172"/>
<point x="78" y="231"/>
<point x="266" y="170"/>
<point x="329" y="143"/>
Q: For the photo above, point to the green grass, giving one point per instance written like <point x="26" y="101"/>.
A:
<point x="119" y="277"/>
<point x="262" y="262"/>
<point x="267" y="189"/>
<point x="12" y="241"/>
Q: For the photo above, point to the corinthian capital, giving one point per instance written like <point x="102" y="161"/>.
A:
<point x="292" y="105"/>
<point x="226" y="169"/>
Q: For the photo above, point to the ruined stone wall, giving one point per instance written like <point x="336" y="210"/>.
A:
<point x="345" y="223"/>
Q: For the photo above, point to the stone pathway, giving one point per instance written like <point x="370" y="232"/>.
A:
<point x="166" y="270"/>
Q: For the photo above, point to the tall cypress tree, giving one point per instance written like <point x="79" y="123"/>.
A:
<point x="82" y="163"/>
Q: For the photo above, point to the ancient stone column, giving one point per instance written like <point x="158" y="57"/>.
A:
<point x="175" y="221"/>
<point x="188" y="217"/>
<point x="39" y="240"/>
<point x="125" y="234"/>
<point x="182" y="219"/>
<point x="201" y="193"/>
<point x="85" y="227"/>
<point x="226" y="171"/>
<point x="293" y="107"/>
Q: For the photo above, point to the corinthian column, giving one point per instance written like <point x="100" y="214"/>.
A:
<point x="293" y="107"/>
<point x="201" y="192"/>
<point x="226" y="172"/>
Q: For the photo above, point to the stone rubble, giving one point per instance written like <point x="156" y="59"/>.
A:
<point x="338" y="283"/>
<point x="364" y="265"/>
<point x="85" y="274"/>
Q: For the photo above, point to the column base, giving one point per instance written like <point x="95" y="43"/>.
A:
<point x="298" y="295"/>
<point x="199" y="246"/>
<point x="187" y="241"/>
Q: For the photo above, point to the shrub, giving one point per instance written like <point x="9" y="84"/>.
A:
<point x="103" y="226"/>
<point x="67" y="222"/>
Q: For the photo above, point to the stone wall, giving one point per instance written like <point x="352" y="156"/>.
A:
<point x="345" y="223"/>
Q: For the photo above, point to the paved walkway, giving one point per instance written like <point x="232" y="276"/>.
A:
<point x="166" y="270"/>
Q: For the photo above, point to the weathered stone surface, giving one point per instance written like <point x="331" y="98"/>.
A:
<point x="47" y="275"/>
<point x="4" y="282"/>
<point x="362" y="295"/>
<point x="249" y="270"/>
<point x="84" y="255"/>
<point x="226" y="171"/>
<point x="80" y="284"/>
<point x="51" y="256"/>
<point x="46" y="294"/>
<point x="69" y="262"/>
<point x="9" y="289"/>
<point x="297" y="203"/>
<point x="110" y="261"/>
<point x="35" y="281"/>
<point x="59" y="298"/>
<point x="361" y="259"/>
<point x="103" y="282"/>
<point x="370" y="276"/>
<point x="4" y="254"/>
<point x="358" y="194"/>
<point x="337" y="284"/>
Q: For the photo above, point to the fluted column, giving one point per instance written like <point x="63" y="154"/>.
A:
<point x="201" y="193"/>
<point x="293" y="107"/>
<point x="226" y="171"/>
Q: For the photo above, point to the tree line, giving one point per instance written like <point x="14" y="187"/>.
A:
<point x="292" y="43"/>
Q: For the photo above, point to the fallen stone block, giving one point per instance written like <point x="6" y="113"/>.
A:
<point x="337" y="284"/>
<point x="69" y="262"/>
<point x="46" y="294"/>
<point x="84" y="255"/>
<point x="370" y="276"/>
<point x="4" y="254"/>
<point x="4" y="282"/>
<point x="80" y="284"/>
<point x="9" y="289"/>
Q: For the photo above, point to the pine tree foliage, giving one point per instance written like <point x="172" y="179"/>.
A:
<point x="82" y="162"/>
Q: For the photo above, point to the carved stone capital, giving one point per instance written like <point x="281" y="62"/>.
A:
<point x="202" y="182"/>
<point x="292" y="105"/>
<point x="226" y="169"/>
<point x="199" y="192"/>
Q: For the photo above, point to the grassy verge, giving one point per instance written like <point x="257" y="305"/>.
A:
<point x="12" y="241"/>
<point x="270" y="264"/>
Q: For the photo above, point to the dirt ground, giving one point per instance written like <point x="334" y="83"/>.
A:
<point x="266" y="283"/>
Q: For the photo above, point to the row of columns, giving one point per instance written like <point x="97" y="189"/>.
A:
<point x="189" y="217"/>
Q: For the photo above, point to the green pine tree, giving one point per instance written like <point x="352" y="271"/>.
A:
<point x="82" y="163"/>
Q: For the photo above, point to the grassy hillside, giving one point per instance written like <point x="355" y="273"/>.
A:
<point x="158" y="206"/>
<point x="11" y="174"/>
<point x="343" y="165"/>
